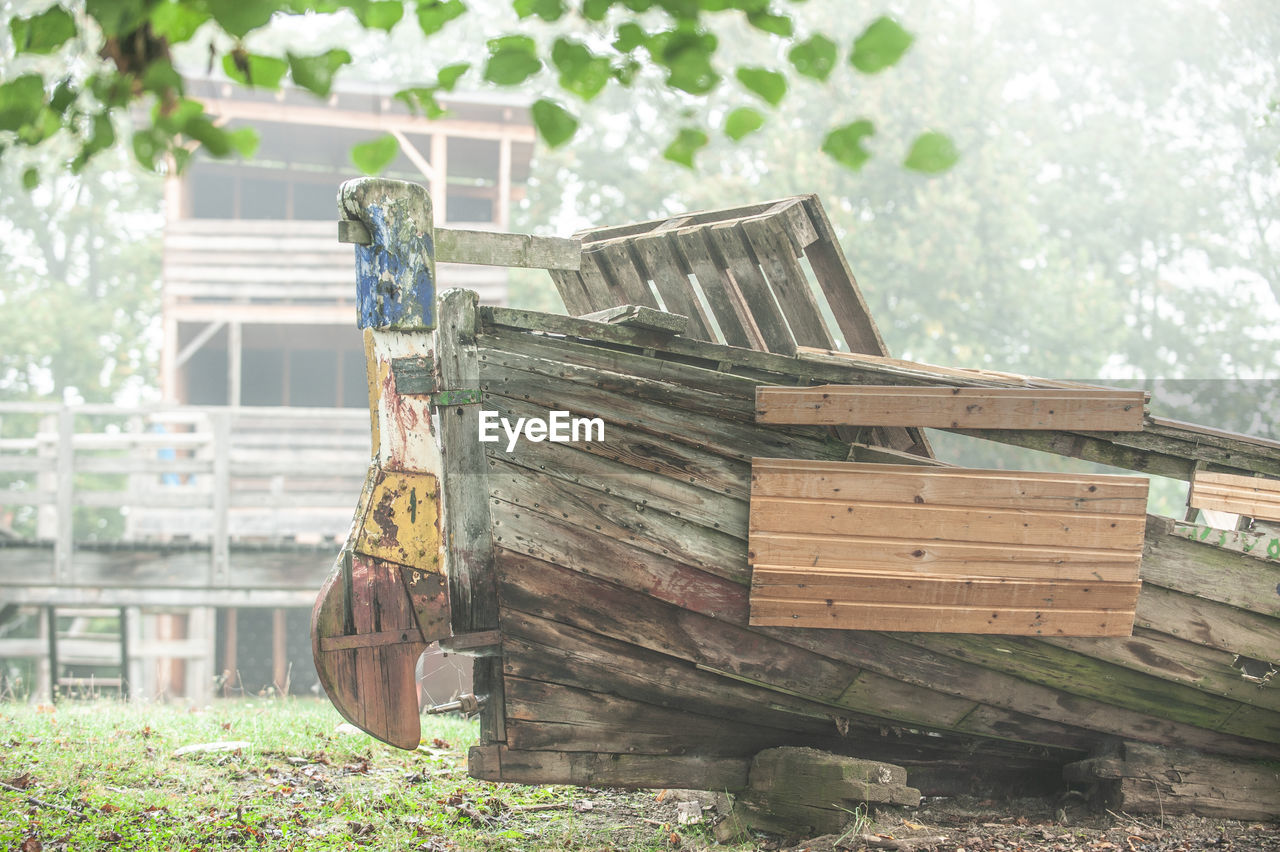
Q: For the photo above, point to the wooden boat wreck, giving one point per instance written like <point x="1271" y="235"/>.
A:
<point x="604" y="586"/>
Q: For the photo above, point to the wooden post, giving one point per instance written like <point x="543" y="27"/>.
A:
<point x="230" y="649"/>
<point x="469" y="561"/>
<point x="219" y="546"/>
<point x="504" y="184"/>
<point x="51" y="632"/>
<point x="279" y="651"/>
<point x="440" y="181"/>
<point x="234" y="361"/>
<point x="63" y="544"/>
<point x="133" y="626"/>
<point x="124" y="652"/>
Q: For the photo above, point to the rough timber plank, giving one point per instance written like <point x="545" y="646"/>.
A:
<point x="661" y="265"/>
<point x="1182" y="563"/>
<point x="500" y="763"/>
<point x="572" y="292"/>
<point x="488" y="248"/>
<point x="1209" y="623"/>
<point x="831" y="268"/>
<point x="735" y="255"/>
<point x="1241" y="495"/>
<point x="726" y="302"/>
<point x="772" y="250"/>
<point x="952" y="407"/>
<point x="638" y="316"/>
<point x="1146" y="779"/>
<point x="626" y="280"/>
<point x="600" y="291"/>
<point x="467" y="524"/>
<point x="853" y="615"/>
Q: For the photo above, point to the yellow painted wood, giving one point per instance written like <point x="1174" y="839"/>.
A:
<point x="402" y="522"/>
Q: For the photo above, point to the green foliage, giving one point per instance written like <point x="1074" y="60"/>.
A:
<point x="880" y="46"/>
<point x="742" y="122"/>
<point x="554" y="123"/>
<point x="122" y="53"/>
<point x="844" y="144"/>
<point x="931" y="153"/>
<point x="512" y="60"/>
<point x="42" y="33"/>
<point x="687" y="143"/>
<point x="769" y="85"/>
<point x="375" y="155"/>
<point x="814" y="57"/>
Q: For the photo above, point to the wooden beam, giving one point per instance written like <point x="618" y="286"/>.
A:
<point x="953" y="407"/>
<point x="204" y="336"/>
<point x="638" y="316"/>
<point x="414" y="155"/>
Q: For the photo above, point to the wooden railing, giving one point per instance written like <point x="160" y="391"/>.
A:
<point x="195" y="483"/>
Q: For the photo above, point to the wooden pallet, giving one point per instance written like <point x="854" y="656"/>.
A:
<point x="944" y="550"/>
<point x="739" y="276"/>
<point x="1090" y="409"/>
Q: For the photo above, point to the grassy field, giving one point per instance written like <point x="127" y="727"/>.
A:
<point x="107" y="775"/>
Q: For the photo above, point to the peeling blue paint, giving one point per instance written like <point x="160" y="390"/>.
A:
<point x="395" y="284"/>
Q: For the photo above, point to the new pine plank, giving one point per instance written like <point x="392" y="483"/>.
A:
<point x="949" y="486"/>
<point x="946" y="523"/>
<point x="930" y="590"/>
<point x="907" y="556"/>
<point x="952" y="408"/>
<point x="1252" y="497"/>
<point x="771" y="612"/>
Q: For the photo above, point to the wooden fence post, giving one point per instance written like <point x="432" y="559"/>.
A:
<point x="63" y="544"/>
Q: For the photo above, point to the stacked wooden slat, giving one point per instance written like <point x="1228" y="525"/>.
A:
<point x="1092" y="409"/>
<point x="895" y="547"/>
<point x="1252" y="497"/>
<point x="739" y="276"/>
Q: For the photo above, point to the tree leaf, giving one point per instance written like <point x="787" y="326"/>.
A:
<point x="881" y="44"/>
<point x="742" y="122"/>
<point x="244" y="140"/>
<point x="581" y="72"/>
<point x="434" y="14"/>
<point x="844" y="144"/>
<point x="555" y="124"/>
<point x="252" y="69"/>
<point x="176" y="22"/>
<point x="932" y="153"/>
<point x="595" y="10"/>
<point x="42" y="33"/>
<point x="21" y="100"/>
<point x="448" y="76"/>
<point x="686" y="144"/>
<point x="686" y="54"/>
<point x="381" y="14"/>
<point x="512" y="59"/>
<point x="238" y="17"/>
<point x="30" y="178"/>
<point x="118" y="17"/>
<point x="375" y="155"/>
<point x="315" y="73"/>
<point x="547" y="10"/>
<point x="421" y="100"/>
<point x="771" y="22"/>
<point x="769" y="85"/>
<point x="630" y="36"/>
<point x="814" y="57"/>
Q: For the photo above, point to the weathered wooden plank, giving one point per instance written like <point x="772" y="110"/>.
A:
<point x="601" y="292"/>
<point x="953" y="408"/>
<point x="627" y="285"/>
<point x="802" y="478"/>
<point x="735" y="256"/>
<point x="489" y="248"/>
<point x="660" y="264"/>
<point x="564" y="718"/>
<point x="467" y="526"/>
<point x="1178" y="661"/>
<point x="574" y="543"/>
<point x="1241" y="495"/>
<point x="808" y="584"/>
<point x="1199" y="568"/>
<point x="843" y="615"/>
<point x="1209" y="623"/>
<point x="622" y="518"/>
<point x="916" y="555"/>
<point x="721" y="292"/>
<point x="947" y="523"/>
<point x="1259" y="544"/>
<point x="577" y="301"/>
<point x="658" y="493"/>
<point x="773" y="251"/>
<point x="500" y="763"/>
<point x="639" y="316"/>
<point x="1056" y="667"/>
<point x="838" y="284"/>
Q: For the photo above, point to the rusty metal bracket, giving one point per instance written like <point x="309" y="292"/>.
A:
<point x="461" y="396"/>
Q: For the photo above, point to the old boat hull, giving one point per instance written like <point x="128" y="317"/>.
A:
<point x="602" y="585"/>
